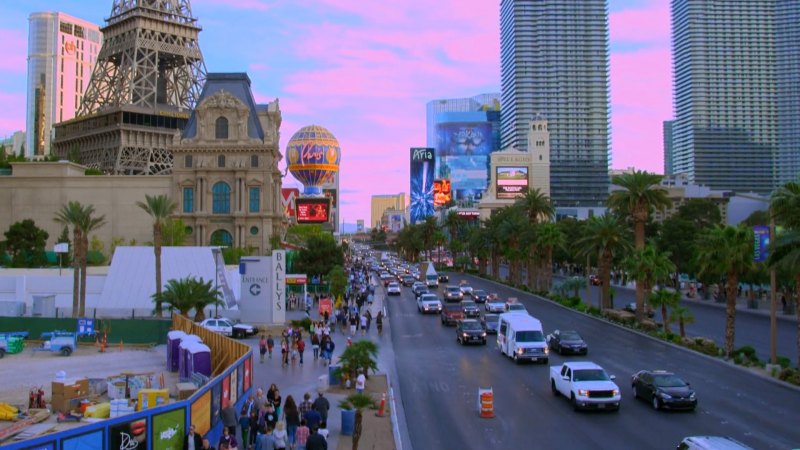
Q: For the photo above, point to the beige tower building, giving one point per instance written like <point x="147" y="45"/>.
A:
<point x="513" y="173"/>
<point x="381" y="203"/>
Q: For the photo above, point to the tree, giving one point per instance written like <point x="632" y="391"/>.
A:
<point x="478" y="245"/>
<point x="26" y="243"/>
<point x="70" y="215"/>
<point x="649" y="268"/>
<point x="785" y="251"/>
<point x="159" y="207"/>
<point x="682" y="315"/>
<point x="359" y="402"/>
<point x="539" y="209"/>
<point x="88" y="223"/>
<point x="678" y="237"/>
<point x="640" y="194"/>
<point x="510" y="231"/>
<point x="338" y="282"/>
<point x="548" y="237"/>
<point x="186" y="294"/>
<point x="726" y="251"/>
<point x="174" y="233"/>
<point x="665" y="298"/>
<point x="701" y="212"/>
<point x="608" y="238"/>
<point x="757" y="218"/>
<point x="428" y="230"/>
<point x="319" y="255"/>
<point x="64" y="239"/>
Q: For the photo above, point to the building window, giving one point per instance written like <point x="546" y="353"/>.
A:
<point x="221" y="128"/>
<point x="221" y="161"/>
<point x="187" y="161"/>
<point x="253" y="160"/>
<point x="221" y="238"/>
<point x="254" y="231"/>
<point x="255" y="199"/>
<point x="188" y="200"/>
<point x="221" y="198"/>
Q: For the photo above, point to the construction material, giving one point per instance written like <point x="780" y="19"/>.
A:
<point x="8" y="412"/>
<point x="151" y="398"/>
<point x="34" y="416"/>
<point x="67" y="394"/>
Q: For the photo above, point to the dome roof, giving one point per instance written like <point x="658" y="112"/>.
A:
<point x="312" y="156"/>
<point x="314" y="132"/>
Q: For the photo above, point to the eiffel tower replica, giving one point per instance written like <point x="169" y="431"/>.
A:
<point x="146" y="81"/>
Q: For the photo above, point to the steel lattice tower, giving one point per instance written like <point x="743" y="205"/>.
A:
<point x="147" y="79"/>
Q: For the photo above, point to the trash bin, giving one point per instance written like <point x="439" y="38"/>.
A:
<point x="348" y="421"/>
<point x="332" y="379"/>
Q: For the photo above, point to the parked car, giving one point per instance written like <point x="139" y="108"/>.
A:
<point x="470" y="331"/>
<point x="586" y="385"/>
<point x="451" y="313"/>
<point x="631" y="307"/>
<point x="470" y="308"/>
<point x="228" y="327"/>
<point x="567" y="341"/>
<point x="480" y="296"/>
<point x="663" y="390"/>
<point x="393" y="288"/>
<point x="453" y="294"/>
<point x="490" y="323"/>
<point x="495" y="306"/>
<point x="429" y="303"/>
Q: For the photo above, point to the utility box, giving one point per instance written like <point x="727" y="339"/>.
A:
<point x="44" y="306"/>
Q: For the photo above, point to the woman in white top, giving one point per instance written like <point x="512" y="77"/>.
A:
<point x="323" y="429"/>
<point x="280" y="436"/>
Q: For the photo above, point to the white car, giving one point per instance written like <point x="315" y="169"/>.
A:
<point x="586" y="385"/>
<point x="429" y="303"/>
<point x="495" y="306"/>
<point x="227" y="327"/>
<point x="393" y="288"/>
<point x="466" y="289"/>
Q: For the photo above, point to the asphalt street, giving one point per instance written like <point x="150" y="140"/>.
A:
<point x="439" y="380"/>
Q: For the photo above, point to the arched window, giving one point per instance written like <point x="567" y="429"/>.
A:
<point x="221" y="194"/>
<point x="221" y="238"/>
<point x="221" y="128"/>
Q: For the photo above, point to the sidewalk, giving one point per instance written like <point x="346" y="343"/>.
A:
<point x="296" y="379"/>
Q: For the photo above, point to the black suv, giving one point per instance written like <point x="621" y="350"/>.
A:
<point x="470" y="331"/>
<point x="471" y="310"/>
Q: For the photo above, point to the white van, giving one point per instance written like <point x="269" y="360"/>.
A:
<point x="521" y="338"/>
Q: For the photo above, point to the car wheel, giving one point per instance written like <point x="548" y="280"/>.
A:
<point x="66" y="351"/>
<point x="635" y="393"/>
<point x="516" y="360"/>
<point x="553" y="388"/>
<point x="656" y="403"/>
<point x="574" y="402"/>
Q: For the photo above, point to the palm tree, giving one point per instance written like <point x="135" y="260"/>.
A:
<point x="451" y="223"/>
<point x="512" y="227"/>
<point x="189" y="293"/>
<point x="69" y="215"/>
<point x="682" y="315"/>
<point x="785" y="250"/>
<point x="539" y="209"/>
<point x="608" y="238"/>
<point x="359" y="402"/>
<point x="478" y="246"/>
<point x="640" y="194"/>
<point x="648" y="267"/>
<point x="160" y="207"/>
<point x="428" y="230"/>
<point x="548" y="237"/>
<point x="87" y="223"/>
<point x="665" y="298"/>
<point x="728" y="251"/>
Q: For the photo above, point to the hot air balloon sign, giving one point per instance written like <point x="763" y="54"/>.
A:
<point x="313" y="156"/>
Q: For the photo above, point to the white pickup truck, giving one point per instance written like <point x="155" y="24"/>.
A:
<point x="586" y="385"/>
<point x="227" y="327"/>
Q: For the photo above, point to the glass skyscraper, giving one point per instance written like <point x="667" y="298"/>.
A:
<point x="667" y="130"/>
<point x="62" y="51"/>
<point x="726" y="117"/>
<point x="554" y="61"/>
<point x="787" y="56"/>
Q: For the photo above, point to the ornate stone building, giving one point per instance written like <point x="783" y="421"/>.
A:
<point x="225" y="173"/>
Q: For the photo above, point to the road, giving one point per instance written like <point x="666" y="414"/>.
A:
<point x="709" y="321"/>
<point x="439" y="381"/>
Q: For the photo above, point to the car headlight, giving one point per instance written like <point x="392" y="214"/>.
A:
<point x="583" y="392"/>
<point x="520" y="351"/>
<point x="664" y="395"/>
<point x="615" y="392"/>
<point x="691" y="396"/>
<point x="546" y="350"/>
<point x="464" y="334"/>
<point x="483" y="334"/>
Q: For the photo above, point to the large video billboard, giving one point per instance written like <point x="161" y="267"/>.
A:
<point x="463" y="156"/>
<point x="442" y="192"/>
<point x="511" y="182"/>
<point x="313" y="209"/>
<point x="422" y="175"/>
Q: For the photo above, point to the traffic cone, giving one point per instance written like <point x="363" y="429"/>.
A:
<point x="382" y="408"/>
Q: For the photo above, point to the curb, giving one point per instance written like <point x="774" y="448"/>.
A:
<point x="673" y="345"/>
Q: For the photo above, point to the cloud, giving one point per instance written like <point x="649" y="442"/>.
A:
<point x="642" y="25"/>
<point x="15" y="51"/>
<point x="257" y="5"/>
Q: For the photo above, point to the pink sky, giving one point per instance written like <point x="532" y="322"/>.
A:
<point x="365" y="69"/>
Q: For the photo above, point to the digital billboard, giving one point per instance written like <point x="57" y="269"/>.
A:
<point x="422" y="175"/>
<point x="511" y="182"/>
<point x="313" y="209"/>
<point x="462" y="153"/>
<point x="761" y="243"/>
<point x="442" y="193"/>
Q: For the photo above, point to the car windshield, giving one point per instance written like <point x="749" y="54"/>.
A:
<point x="471" y="326"/>
<point x="516" y="307"/>
<point x="530" y="336"/>
<point x="570" y="336"/>
<point x="429" y="298"/>
<point x="468" y="304"/>
<point x="668" y="381"/>
<point x="393" y="285"/>
<point x="453" y="290"/>
<point x="479" y="293"/>
<point x="589" y="375"/>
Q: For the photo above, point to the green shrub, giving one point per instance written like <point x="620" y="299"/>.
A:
<point x="581" y="307"/>
<point x="593" y="310"/>
<point x="790" y="375"/>
<point x="784" y="362"/>
<point x="573" y="302"/>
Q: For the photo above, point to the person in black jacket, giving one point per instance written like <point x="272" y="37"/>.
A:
<point x="316" y="441"/>
<point x="193" y="440"/>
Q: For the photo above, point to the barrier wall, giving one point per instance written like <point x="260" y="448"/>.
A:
<point x="165" y="427"/>
<point x="130" y="331"/>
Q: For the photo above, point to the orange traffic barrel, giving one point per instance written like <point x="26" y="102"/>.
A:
<point x="486" y="402"/>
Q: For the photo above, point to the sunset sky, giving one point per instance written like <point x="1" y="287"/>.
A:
<point x="365" y="69"/>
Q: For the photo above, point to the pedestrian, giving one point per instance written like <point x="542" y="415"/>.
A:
<point x="281" y="436"/>
<point x="277" y="403"/>
<point x="270" y="416"/>
<point x="369" y="319"/>
<point x="783" y="301"/>
<point x="244" y="418"/>
<point x="284" y="352"/>
<point x="316" y="441"/>
<point x="260" y="400"/>
<point x="291" y="415"/>
<point x="305" y="405"/>
<point x="312" y="418"/>
<point x="353" y="323"/>
<point x="323" y="429"/>
<point x="206" y="445"/>
<point x="266" y="441"/>
<point x="363" y="324"/>
<point x="294" y="350"/>
<point x="262" y="347"/>
<point x="301" y="347"/>
<point x="322" y="405"/>
<point x="301" y="435"/>
<point x="227" y="438"/>
<point x="270" y="345"/>
<point x="230" y="419"/>
<point x="193" y="440"/>
<point x="315" y="345"/>
<point x="254" y="427"/>
<point x="379" y="321"/>
<point x="271" y="393"/>
<point x="361" y="382"/>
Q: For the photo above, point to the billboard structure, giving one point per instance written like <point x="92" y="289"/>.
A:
<point x="442" y="192"/>
<point x="463" y="157"/>
<point x="288" y="195"/>
<point x="422" y="175"/>
<point x="511" y="182"/>
<point x="313" y="209"/>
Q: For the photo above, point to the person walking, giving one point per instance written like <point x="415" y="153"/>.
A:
<point x="227" y="439"/>
<point x="363" y="319"/>
<point x="266" y="441"/>
<point x="262" y="347"/>
<point x="323" y="429"/>
<point x="281" y="436"/>
<point x="193" y="440"/>
<point x="284" y="352"/>
<point x="301" y="347"/>
<point x="316" y="441"/>
<point x="230" y="419"/>
<point x="301" y="435"/>
<point x="369" y="319"/>
<point x="244" y="418"/>
<point x="291" y="415"/>
<point x="270" y="345"/>
<point x="379" y="322"/>
<point x="322" y="405"/>
<point x="254" y="427"/>
<point x="305" y="405"/>
<point x="315" y="344"/>
<point x="329" y="347"/>
<point x="361" y="382"/>
<point x="277" y="403"/>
